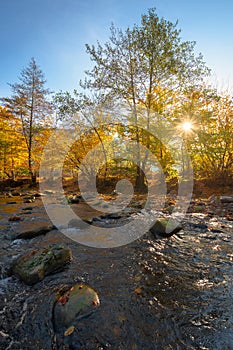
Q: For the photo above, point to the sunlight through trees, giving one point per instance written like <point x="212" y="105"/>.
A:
<point x="147" y="85"/>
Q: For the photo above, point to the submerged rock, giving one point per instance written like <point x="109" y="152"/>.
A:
<point x="32" y="267"/>
<point x="165" y="227"/>
<point x="77" y="302"/>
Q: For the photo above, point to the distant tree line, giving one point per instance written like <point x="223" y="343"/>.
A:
<point x="146" y="85"/>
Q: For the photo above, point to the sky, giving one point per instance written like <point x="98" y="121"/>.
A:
<point x="55" y="32"/>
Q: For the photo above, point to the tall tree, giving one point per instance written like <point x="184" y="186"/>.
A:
<point x="134" y="62"/>
<point x="29" y="102"/>
<point x="12" y="146"/>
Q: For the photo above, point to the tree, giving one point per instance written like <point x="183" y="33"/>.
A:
<point x="210" y="138"/>
<point x="134" y="62"/>
<point x="12" y="145"/>
<point x="29" y="103"/>
<point x="79" y="112"/>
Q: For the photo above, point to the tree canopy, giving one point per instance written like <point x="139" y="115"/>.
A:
<point x="146" y="85"/>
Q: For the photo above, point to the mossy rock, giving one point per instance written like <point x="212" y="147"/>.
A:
<point x="77" y="302"/>
<point x="166" y="227"/>
<point x="32" y="267"/>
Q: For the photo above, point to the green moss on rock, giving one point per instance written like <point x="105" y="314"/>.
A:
<point x="165" y="227"/>
<point x="32" y="267"/>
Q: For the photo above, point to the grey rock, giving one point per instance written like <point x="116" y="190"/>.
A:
<point x="36" y="232"/>
<point x="32" y="267"/>
<point x="198" y="226"/>
<point x="165" y="227"/>
<point x="75" y="199"/>
<point x="77" y="302"/>
<point x="226" y="199"/>
<point x="79" y="224"/>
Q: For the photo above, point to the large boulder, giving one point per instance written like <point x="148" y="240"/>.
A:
<point x="166" y="227"/>
<point x="77" y="302"/>
<point x="32" y="267"/>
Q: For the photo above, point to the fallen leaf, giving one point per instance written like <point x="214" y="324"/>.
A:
<point x="138" y="290"/>
<point x="69" y="331"/>
<point x="63" y="299"/>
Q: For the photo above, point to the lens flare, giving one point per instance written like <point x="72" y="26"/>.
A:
<point x="187" y="126"/>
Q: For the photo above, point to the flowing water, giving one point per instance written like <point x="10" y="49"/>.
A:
<point x="160" y="294"/>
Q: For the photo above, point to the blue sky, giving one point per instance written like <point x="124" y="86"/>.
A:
<point x="54" y="32"/>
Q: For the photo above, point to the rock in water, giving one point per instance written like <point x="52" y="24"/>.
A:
<point x="75" y="199"/>
<point x="39" y="231"/>
<point x="77" y="302"/>
<point x="32" y="267"/>
<point x="165" y="227"/>
<point x="14" y="218"/>
<point x="79" y="224"/>
<point x="226" y="199"/>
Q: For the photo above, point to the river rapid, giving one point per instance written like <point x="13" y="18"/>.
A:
<point x="155" y="294"/>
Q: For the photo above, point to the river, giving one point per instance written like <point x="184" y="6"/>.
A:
<point x="155" y="294"/>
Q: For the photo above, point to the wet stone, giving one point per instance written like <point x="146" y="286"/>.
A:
<point x="198" y="226"/>
<point x="79" y="224"/>
<point x="28" y="208"/>
<point x="165" y="227"/>
<point x="75" y="303"/>
<point x="39" y="231"/>
<point x="16" y="194"/>
<point x="14" y="218"/>
<point x="31" y="200"/>
<point x="37" y="195"/>
<point x="74" y="199"/>
<point x="32" y="267"/>
<point x="226" y="199"/>
<point x="114" y="216"/>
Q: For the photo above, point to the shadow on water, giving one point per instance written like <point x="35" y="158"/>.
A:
<point x="154" y="294"/>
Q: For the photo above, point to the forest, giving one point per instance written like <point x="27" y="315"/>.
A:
<point x="146" y="97"/>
